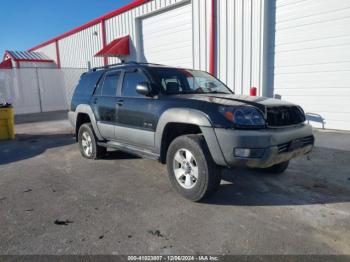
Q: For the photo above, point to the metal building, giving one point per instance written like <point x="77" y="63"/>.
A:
<point x="294" y="49"/>
<point x="25" y="59"/>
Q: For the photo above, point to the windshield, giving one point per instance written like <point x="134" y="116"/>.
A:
<point x="184" y="81"/>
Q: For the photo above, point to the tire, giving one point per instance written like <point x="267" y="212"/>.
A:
<point x="277" y="169"/>
<point x="194" y="150"/>
<point x="88" y="143"/>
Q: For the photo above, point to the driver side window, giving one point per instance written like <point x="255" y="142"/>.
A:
<point x="131" y="80"/>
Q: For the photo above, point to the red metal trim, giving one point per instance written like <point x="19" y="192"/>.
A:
<point x="118" y="47"/>
<point x="6" y="64"/>
<point x="58" y="57"/>
<point x="212" y="44"/>
<point x="104" y="40"/>
<point x="98" y="20"/>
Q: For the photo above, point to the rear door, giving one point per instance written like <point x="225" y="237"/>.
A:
<point x="105" y="103"/>
<point x="136" y="118"/>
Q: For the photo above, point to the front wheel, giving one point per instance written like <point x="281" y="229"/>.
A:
<point x="88" y="143"/>
<point x="191" y="169"/>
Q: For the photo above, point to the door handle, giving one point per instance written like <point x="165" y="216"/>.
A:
<point x="94" y="101"/>
<point x="120" y="102"/>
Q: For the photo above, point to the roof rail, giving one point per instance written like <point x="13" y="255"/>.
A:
<point x="122" y="64"/>
<point x="113" y="65"/>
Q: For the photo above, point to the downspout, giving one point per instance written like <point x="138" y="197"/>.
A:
<point x="268" y="42"/>
<point x="58" y="55"/>
<point x="104" y="41"/>
<point x="212" y="44"/>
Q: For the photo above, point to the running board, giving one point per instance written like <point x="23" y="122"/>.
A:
<point x="131" y="149"/>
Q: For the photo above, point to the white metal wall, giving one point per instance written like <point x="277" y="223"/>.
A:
<point x="201" y="33"/>
<point x="49" y="50"/>
<point x="240" y="43"/>
<point x="312" y="58"/>
<point x="37" y="64"/>
<point x="77" y="49"/>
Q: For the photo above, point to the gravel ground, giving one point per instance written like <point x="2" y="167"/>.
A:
<point x="52" y="201"/>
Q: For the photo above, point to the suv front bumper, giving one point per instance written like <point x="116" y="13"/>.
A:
<point x="275" y="145"/>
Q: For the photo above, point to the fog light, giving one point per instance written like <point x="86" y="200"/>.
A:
<point x="249" y="152"/>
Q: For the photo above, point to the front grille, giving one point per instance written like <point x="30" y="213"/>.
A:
<point x="303" y="142"/>
<point x="309" y="140"/>
<point x="280" y="116"/>
<point x="282" y="148"/>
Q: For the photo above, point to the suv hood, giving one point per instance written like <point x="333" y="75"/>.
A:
<point x="238" y="100"/>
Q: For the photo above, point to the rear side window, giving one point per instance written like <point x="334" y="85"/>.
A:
<point x="87" y="84"/>
<point x="131" y="80"/>
<point x="110" y="83"/>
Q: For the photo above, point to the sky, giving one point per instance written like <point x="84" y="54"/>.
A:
<point x="25" y="24"/>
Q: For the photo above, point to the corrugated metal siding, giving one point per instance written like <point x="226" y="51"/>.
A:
<point x="124" y="24"/>
<point x="312" y="58"/>
<point x="37" y="64"/>
<point x="240" y="42"/>
<point x="76" y="50"/>
<point x="49" y="51"/>
<point x="201" y="33"/>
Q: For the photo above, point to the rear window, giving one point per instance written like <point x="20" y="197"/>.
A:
<point x="87" y="84"/>
<point x="85" y="88"/>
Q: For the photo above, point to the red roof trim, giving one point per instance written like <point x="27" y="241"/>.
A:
<point x="118" y="11"/>
<point x="6" y="64"/>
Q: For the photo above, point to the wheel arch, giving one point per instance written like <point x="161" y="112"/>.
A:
<point x="84" y="112"/>
<point x="191" y="121"/>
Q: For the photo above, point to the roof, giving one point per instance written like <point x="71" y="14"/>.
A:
<point x="27" y="56"/>
<point x="98" y="20"/>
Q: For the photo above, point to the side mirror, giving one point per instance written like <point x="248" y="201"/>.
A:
<point x="144" y="89"/>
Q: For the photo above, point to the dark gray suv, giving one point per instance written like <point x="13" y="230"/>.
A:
<point x="187" y="119"/>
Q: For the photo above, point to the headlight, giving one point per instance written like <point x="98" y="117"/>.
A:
<point x="243" y="116"/>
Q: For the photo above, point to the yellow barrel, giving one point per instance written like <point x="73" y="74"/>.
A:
<point x="7" y="123"/>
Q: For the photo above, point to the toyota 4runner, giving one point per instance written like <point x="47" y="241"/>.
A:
<point x="186" y="119"/>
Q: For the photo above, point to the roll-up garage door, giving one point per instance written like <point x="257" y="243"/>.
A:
<point x="312" y="59"/>
<point x="167" y="37"/>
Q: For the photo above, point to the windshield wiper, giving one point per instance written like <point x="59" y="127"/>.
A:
<point x="217" y="92"/>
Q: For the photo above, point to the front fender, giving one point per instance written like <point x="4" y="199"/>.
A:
<point x="194" y="117"/>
